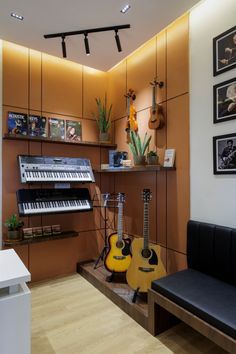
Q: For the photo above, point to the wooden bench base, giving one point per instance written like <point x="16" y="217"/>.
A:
<point x="163" y="314"/>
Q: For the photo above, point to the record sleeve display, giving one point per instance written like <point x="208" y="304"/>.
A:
<point x="37" y="126"/>
<point x="17" y="123"/>
<point x="73" y="130"/>
<point x="56" y="128"/>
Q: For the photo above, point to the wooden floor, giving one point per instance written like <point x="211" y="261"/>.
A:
<point x="70" y="316"/>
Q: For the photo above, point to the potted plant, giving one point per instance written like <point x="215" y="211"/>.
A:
<point x="152" y="158"/>
<point x="13" y="225"/>
<point x="138" y="148"/>
<point x="103" y="119"/>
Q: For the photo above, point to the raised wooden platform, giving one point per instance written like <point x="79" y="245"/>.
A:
<point x="117" y="291"/>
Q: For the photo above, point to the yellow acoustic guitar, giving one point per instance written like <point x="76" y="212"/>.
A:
<point x="118" y="257"/>
<point x="146" y="264"/>
<point x="156" y="120"/>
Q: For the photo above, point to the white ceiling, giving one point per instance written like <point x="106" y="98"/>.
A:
<point x="146" y="17"/>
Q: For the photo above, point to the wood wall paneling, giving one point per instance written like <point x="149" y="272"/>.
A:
<point x="141" y="69"/>
<point x="175" y="261"/>
<point x="117" y="89"/>
<point x="15" y="75"/>
<point x="35" y="80"/>
<point x="161" y="188"/>
<point x="178" y="181"/>
<point x="120" y="136"/>
<point x="161" y="65"/>
<point x="177" y="57"/>
<point x="160" y="138"/>
<point x="94" y="86"/>
<point x="88" y="245"/>
<point x="61" y="86"/>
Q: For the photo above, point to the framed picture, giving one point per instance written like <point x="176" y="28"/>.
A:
<point x="224" y="101"/>
<point x="224" y="51"/>
<point x="73" y="130"/>
<point x="224" y="152"/>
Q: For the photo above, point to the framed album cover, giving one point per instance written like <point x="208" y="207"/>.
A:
<point x="37" y="125"/>
<point x="17" y="123"/>
<point x="56" y="128"/>
<point x="224" y="154"/>
<point x="73" y="130"/>
<point x="224" y="101"/>
<point x="224" y="51"/>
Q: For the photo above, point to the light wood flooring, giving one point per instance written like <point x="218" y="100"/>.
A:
<point x="70" y="316"/>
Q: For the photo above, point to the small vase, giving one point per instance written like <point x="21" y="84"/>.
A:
<point x="152" y="160"/>
<point x="139" y="160"/>
<point x="104" y="137"/>
<point x="13" y="234"/>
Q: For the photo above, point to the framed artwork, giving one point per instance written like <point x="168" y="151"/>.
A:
<point x="224" y="154"/>
<point x="224" y="51"/>
<point x="73" y="130"/>
<point x="224" y="95"/>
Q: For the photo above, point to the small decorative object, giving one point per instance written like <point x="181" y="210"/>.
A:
<point x="28" y="232"/>
<point x="138" y="148"/>
<point x="13" y="225"/>
<point x="169" y="158"/>
<point x="126" y="163"/>
<point x="47" y="231"/>
<point x="225" y="101"/>
<point x="56" y="229"/>
<point x="37" y="126"/>
<point x="152" y="158"/>
<point x="224" y="152"/>
<point x="73" y="130"/>
<point x="38" y="231"/>
<point x="103" y="119"/>
<point x="56" y="128"/>
<point x="224" y="51"/>
<point x="17" y="123"/>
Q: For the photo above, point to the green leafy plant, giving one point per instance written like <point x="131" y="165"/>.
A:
<point x="13" y="223"/>
<point x="138" y="147"/>
<point x="151" y="153"/>
<point x="104" y="115"/>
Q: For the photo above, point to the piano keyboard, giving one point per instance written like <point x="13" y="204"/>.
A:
<point x="46" y="201"/>
<point x="35" y="169"/>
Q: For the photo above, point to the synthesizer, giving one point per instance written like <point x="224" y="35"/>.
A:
<point x="47" y="201"/>
<point x="39" y="169"/>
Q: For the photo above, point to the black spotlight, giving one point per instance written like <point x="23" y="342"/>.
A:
<point x="86" y="44"/>
<point x="63" y="46"/>
<point x="118" y="41"/>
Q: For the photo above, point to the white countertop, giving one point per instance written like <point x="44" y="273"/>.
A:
<point x="12" y="269"/>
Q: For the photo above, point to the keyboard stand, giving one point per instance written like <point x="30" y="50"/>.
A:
<point x="102" y="255"/>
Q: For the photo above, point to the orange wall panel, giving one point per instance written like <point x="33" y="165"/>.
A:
<point x="178" y="181"/>
<point x="94" y="86"/>
<point x="117" y="89"/>
<point x="61" y="86"/>
<point x="161" y="187"/>
<point x="175" y="261"/>
<point x="15" y="75"/>
<point x="177" y="57"/>
<point x="161" y="65"/>
<point x="141" y="69"/>
<point x="35" y="80"/>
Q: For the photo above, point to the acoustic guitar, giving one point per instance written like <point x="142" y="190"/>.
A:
<point x="118" y="257"/>
<point x="146" y="264"/>
<point x="131" y="123"/>
<point x="156" y="120"/>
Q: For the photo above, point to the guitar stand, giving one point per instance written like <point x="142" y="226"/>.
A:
<point x="135" y="295"/>
<point x="110" y="278"/>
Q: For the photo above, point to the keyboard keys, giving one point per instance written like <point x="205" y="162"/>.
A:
<point x="55" y="206"/>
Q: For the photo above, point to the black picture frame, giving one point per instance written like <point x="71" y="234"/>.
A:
<point x="223" y="59"/>
<point x="224" y="101"/>
<point x="224" y="162"/>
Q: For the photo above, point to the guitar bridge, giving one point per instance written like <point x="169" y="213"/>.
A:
<point x="119" y="258"/>
<point x="146" y="270"/>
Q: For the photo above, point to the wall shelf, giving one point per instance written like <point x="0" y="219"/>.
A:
<point x="147" y="168"/>
<point x="49" y="140"/>
<point x="65" y="234"/>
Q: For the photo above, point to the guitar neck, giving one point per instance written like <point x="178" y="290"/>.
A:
<point x="154" y="97"/>
<point x="145" y="225"/>
<point x="120" y="221"/>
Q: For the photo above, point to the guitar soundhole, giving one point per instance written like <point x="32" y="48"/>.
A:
<point x="146" y="253"/>
<point x="119" y="244"/>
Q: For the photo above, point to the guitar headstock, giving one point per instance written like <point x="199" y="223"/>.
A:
<point x="146" y="195"/>
<point x="121" y="197"/>
<point x="156" y="83"/>
<point x="131" y="95"/>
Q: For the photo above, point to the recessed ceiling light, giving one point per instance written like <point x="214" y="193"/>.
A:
<point x="17" y="16"/>
<point x="125" y="9"/>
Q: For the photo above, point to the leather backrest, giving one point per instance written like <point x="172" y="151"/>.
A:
<point x="211" y="249"/>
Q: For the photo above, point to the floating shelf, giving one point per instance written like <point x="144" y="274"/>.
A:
<point x="147" y="168"/>
<point x="50" y="140"/>
<point x="65" y="234"/>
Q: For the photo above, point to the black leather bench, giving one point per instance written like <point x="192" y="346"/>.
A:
<point x="204" y="295"/>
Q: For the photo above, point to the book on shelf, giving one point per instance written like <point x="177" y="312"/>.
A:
<point x="37" y="126"/>
<point x="169" y="158"/>
<point x="73" y="130"/>
<point x="56" y="128"/>
<point x="17" y="123"/>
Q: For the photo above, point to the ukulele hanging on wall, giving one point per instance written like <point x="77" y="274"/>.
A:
<point x="131" y="123"/>
<point x="156" y="120"/>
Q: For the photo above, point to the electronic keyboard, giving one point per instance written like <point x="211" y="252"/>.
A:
<point x="47" y="201"/>
<point x="35" y="169"/>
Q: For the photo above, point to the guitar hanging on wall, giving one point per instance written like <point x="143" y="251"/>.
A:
<point x="146" y="264"/>
<point x="131" y="123"/>
<point x="118" y="257"/>
<point x="156" y="120"/>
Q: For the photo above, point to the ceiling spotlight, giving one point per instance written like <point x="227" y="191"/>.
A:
<point x="86" y="43"/>
<point x="125" y="9"/>
<point x="118" y="41"/>
<point x="18" y="17"/>
<point x="63" y="46"/>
